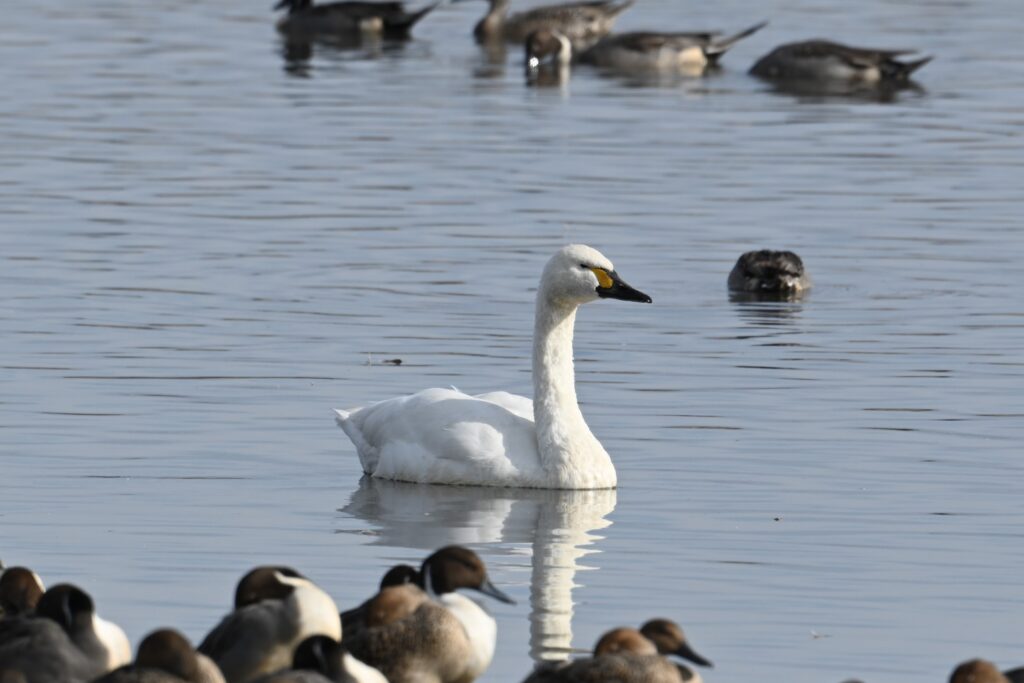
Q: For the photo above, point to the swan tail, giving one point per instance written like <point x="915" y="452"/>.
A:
<point x="368" y="455"/>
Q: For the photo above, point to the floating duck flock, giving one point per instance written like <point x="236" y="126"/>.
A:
<point x="283" y="628"/>
<point x="418" y="626"/>
<point x="558" y="36"/>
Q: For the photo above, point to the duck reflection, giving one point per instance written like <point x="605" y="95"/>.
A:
<point x="559" y="527"/>
<point x="298" y="51"/>
<point x="769" y="309"/>
<point x="819" y="93"/>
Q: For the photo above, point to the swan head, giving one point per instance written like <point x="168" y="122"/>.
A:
<point x="578" y="274"/>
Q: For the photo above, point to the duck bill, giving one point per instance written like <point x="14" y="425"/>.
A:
<point x="490" y="590"/>
<point x="687" y="652"/>
<point x="620" y="290"/>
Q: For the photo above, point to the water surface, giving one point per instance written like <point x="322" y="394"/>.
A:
<point x="210" y="240"/>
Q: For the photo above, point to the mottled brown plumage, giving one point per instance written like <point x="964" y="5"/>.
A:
<point x="583" y="23"/>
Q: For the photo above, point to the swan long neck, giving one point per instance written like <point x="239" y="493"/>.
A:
<point x="568" y="449"/>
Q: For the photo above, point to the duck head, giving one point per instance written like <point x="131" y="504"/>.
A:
<point x="546" y="47"/>
<point x="71" y="607"/>
<point x="20" y="590"/>
<point x="454" y="567"/>
<point x="267" y="583"/>
<point x="399" y="575"/>
<point x="321" y="654"/>
<point x="768" y="271"/>
<point x="168" y="650"/>
<point x="669" y="639"/>
<point x="977" y="671"/>
<point x="624" y="641"/>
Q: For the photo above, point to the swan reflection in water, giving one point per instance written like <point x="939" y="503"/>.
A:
<point x="557" y="526"/>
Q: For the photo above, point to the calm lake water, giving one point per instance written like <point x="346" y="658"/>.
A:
<point x="208" y="243"/>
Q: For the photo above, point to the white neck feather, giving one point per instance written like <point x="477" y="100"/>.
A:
<point x="313" y="612"/>
<point x="570" y="454"/>
<point x="481" y="630"/>
<point x="114" y="641"/>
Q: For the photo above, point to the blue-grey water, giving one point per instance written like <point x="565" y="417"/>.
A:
<point x="209" y="241"/>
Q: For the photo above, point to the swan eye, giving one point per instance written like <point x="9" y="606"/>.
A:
<point x="584" y="266"/>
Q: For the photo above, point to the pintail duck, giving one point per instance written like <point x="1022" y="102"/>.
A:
<point x="583" y="23"/>
<point x="320" y="659"/>
<point x="65" y="641"/>
<point x="351" y="17"/>
<point x="166" y="656"/>
<point x="769" y="272"/>
<point x="983" y="671"/>
<point x="642" y="50"/>
<point x="20" y="590"/>
<point x="824" y="61"/>
<point x="669" y="639"/>
<point x="626" y="655"/>
<point x="276" y="608"/>
<point x="424" y="631"/>
<point x="398" y="575"/>
<point x="443" y="436"/>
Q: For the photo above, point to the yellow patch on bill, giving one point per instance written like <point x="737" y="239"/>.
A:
<point x="604" y="281"/>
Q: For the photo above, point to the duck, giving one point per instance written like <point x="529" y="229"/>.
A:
<point x="276" y="608"/>
<point x="621" y="655"/>
<point x="347" y="18"/>
<point x="398" y="575"/>
<point x="669" y="639"/>
<point x="984" y="671"/>
<point x="443" y="436"/>
<point x="822" y="61"/>
<point x="20" y="591"/>
<point x="166" y="656"/>
<point x="425" y="631"/>
<point x="638" y="50"/>
<point x="769" y="272"/>
<point x="64" y="641"/>
<point x="584" y="23"/>
<point x="320" y="659"/>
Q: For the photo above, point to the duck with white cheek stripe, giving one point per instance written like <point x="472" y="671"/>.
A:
<point x="424" y="631"/>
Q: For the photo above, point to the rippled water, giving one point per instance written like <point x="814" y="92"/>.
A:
<point x="209" y="241"/>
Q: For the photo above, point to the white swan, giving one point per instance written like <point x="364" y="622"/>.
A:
<point x="443" y="436"/>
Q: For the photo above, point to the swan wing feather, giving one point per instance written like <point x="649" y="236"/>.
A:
<point x="446" y="436"/>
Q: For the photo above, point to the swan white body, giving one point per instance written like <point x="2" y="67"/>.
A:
<point x="443" y="436"/>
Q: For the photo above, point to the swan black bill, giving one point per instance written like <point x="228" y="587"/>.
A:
<point x="620" y="290"/>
